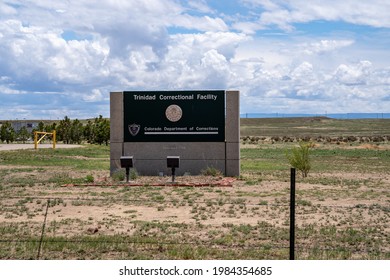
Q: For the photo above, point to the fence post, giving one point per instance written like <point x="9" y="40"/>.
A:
<point x="43" y="230"/>
<point x="35" y="140"/>
<point x="292" y="214"/>
<point x="54" y="139"/>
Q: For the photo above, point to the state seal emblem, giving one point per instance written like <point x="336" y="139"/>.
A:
<point x="173" y="113"/>
<point x="134" y="129"/>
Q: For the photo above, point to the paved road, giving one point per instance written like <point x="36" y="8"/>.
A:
<point x="8" y="147"/>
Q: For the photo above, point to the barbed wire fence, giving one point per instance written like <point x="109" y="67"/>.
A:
<point x="159" y="245"/>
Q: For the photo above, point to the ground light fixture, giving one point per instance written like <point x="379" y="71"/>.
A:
<point x="173" y="162"/>
<point x="127" y="162"/>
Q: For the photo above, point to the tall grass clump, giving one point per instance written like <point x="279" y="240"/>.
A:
<point x="299" y="157"/>
<point x="211" y="171"/>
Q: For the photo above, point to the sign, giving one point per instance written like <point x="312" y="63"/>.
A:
<point x="174" y="116"/>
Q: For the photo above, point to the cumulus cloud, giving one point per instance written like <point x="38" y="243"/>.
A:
<point x="299" y="85"/>
<point x="33" y="53"/>
<point x="357" y="74"/>
<point x="66" y="56"/>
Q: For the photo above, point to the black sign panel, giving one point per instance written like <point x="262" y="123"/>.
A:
<point x="174" y="116"/>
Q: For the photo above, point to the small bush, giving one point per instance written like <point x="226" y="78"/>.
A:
<point x="133" y="174"/>
<point x="299" y="158"/>
<point x="119" y="175"/>
<point x="211" y="171"/>
<point x="89" y="179"/>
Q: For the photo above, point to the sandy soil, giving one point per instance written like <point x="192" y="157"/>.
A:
<point x="353" y="203"/>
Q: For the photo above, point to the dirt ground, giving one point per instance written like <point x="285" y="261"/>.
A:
<point x="343" y="208"/>
<point x="9" y="147"/>
<point x="213" y="201"/>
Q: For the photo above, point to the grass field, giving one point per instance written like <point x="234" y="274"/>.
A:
<point x="314" y="127"/>
<point x="62" y="204"/>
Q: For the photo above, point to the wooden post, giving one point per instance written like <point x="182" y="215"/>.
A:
<point x="35" y="140"/>
<point x="54" y="139"/>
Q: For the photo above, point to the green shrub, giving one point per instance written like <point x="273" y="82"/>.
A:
<point x="299" y="158"/>
<point x="89" y="179"/>
<point x="119" y="175"/>
<point x="133" y="174"/>
<point x="211" y="171"/>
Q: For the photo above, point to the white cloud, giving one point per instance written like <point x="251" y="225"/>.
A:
<point x="358" y="74"/>
<point x="200" y="5"/>
<point x="303" y="71"/>
<point x="204" y="23"/>
<point x="62" y="54"/>
<point x="324" y="46"/>
<point x="34" y="51"/>
<point x="96" y="95"/>
<point x="309" y="77"/>
<point x="7" y="9"/>
<point x="285" y="13"/>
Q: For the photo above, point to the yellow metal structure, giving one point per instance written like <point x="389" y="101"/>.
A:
<point x="36" y="140"/>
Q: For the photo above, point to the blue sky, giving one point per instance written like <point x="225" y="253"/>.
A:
<point x="62" y="58"/>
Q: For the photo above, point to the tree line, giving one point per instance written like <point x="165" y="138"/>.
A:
<point x="68" y="131"/>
